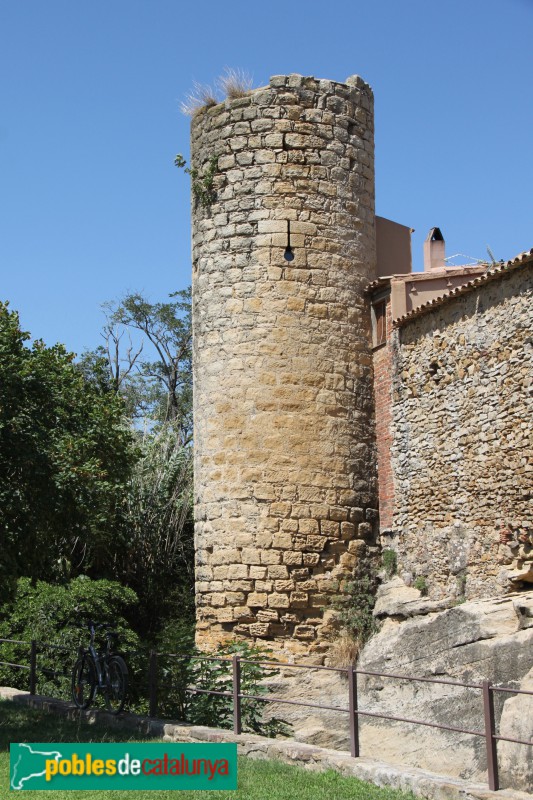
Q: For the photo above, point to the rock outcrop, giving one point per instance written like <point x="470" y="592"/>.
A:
<point x="476" y="641"/>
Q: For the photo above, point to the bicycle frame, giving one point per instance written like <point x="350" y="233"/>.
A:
<point x="104" y="672"/>
<point x="99" y="659"/>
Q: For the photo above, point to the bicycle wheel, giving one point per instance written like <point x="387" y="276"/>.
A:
<point x="116" y="684"/>
<point x="83" y="682"/>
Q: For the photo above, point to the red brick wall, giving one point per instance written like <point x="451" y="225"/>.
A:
<point x="382" y="360"/>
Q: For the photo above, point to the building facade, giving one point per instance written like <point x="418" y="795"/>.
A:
<point x="305" y="391"/>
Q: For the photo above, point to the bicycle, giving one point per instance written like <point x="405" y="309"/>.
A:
<point x="104" y="672"/>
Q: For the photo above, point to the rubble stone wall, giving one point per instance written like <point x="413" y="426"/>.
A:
<point x="463" y="453"/>
<point x="285" y="490"/>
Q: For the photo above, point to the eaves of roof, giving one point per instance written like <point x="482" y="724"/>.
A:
<point x="491" y="274"/>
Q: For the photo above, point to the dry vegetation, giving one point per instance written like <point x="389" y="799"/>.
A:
<point x="232" y="83"/>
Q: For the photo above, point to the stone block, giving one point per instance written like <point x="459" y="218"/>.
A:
<point x="329" y="527"/>
<point x="319" y="600"/>
<point x="224" y="556"/>
<point x="339" y="513"/>
<point x="348" y="531"/>
<point x="257" y="599"/>
<point x="283" y="585"/>
<point x="292" y="557"/>
<point x="319" y="511"/>
<point x="300" y="574"/>
<point x="243" y="614"/>
<point x="316" y="542"/>
<point x="304" y="632"/>
<point x="237" y="571"/>
<point x="250" y="555"/>
<point x="259" y="629"/>
<point x="276" y="600"/>
<point x="267" y="615"/>
<point x="280" y="510"/>
<point x="234" y="598"/>
<point x="265" y="492"/>
<point x="204" y="573"/>
<point x="289" y="525"/>
<point x="238" y="586"/>
<point x="226" y="162"/>
<point x="258" y="573"/>
<point x="220" y="573"/>
<point x="270" y="556"/>
<point x="224" y="614"/>
<point x="364" y="530"/>
<point x="278" y="572"/>
<point x="283" y="541"/>
<point x="299" y="599"/>
<point x="218" y="599"/>
<point x="310" y="526"/>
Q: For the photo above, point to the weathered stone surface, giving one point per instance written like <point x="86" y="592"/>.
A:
<point x="395" y="599"/>
<point x="476" y="641"/>
<point x="462" y="451"/>
<point x="279" y="348"/>
<point x="515" y="760"/>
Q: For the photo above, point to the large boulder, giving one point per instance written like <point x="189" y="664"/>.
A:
<point x="481" y="640"/>
<point x="476" y="641"/>
<point x="516" y="722"/>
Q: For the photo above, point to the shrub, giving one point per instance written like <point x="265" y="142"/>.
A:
<point x="420" y="583"/>
<point x="235" y="83"/>
<point x="203" y="673"/>
<point x="390" y="561"/>
<point x="200" y="96"/>
<point x="51" y="614"/>
<point x="354" y="610"/>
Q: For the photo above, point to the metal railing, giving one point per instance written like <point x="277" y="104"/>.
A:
<point x="487" y="689"/>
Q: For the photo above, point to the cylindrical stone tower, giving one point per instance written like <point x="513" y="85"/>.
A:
<point x="284" y="445"/>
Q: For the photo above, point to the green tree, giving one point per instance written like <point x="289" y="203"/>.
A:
<point x="66" y="456"/>
<point x="158" y="554"/>
<point x="53" y="615"/>
<point x="156" y="389"/>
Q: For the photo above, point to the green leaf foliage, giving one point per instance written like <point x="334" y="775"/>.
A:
<point x="65" y="458"/>
<point x="52" y="614"/>
<point x="153" y="370"/>
<point x="354" y="607"/>
<point x="158" y="555"/>
<point x="179" y="675"/>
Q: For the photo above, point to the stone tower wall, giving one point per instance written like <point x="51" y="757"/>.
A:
<point x="285" y="492"/>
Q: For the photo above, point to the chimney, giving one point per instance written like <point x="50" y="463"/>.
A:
<point x="434" y="249"/>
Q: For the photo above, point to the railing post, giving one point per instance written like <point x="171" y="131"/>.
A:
<point x="33" y="667"/>
<point x="490" y="732"/>
<point x="152" y="684"/>
<point x="354" y="718"/>
<point x="237" y="724"/>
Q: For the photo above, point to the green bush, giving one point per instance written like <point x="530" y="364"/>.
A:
<point x="66" y="456"/>
<point x="421" y="584"/>
<point x="51" y="614"/>
<point x="176" y="674"/>
<point x="389" y="560"/>
<point x="354" y="608"/>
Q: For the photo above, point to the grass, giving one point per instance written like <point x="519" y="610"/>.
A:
<point x="258" y="780"/>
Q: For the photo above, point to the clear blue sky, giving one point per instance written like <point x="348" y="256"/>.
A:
<point x="91" y="205"/>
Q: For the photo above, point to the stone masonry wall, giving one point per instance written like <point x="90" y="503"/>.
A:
<point x="462" y="453"/>
<point x="285" y="492"/>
